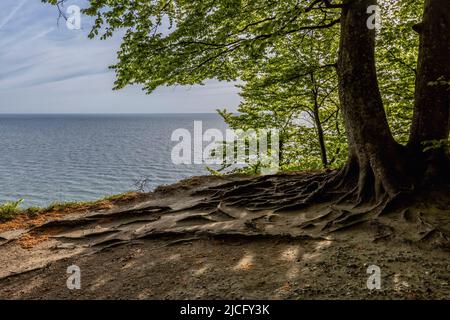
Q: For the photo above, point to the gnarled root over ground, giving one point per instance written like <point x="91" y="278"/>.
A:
<point x="252" y="220"/>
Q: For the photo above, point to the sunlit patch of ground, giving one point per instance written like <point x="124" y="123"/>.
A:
<point x="236" y="269"/>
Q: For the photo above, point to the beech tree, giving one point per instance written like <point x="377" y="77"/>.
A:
<point x="378" y="162"/>
<point x="295" y="91"/>
<point x="170" y="42"/>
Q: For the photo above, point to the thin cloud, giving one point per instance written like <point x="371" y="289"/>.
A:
<point x="46" y="68"/>
<point x="12" y="14"/>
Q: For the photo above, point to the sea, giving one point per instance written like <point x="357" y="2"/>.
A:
<point x="50" y="158"/>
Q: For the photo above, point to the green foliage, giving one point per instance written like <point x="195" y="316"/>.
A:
<point x="185" y="42"/>
<point x="281" y="92"/>
<point x="396" y="54"/>
<point x="283" y="53"/>
<point x="10" y="210"/>
<point x="295" y="91"/>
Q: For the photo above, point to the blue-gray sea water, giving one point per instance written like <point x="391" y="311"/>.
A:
<point x="48" y="158"/>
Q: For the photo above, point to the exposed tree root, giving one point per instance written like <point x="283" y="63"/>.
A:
<point x="308" y="205"/>
<point x="349" y="204"/>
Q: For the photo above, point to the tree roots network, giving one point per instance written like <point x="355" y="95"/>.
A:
<point x="303" y="206"/>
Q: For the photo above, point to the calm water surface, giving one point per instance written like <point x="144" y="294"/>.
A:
<point x="46" y="158"/>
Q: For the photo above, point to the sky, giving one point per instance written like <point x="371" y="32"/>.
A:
<point x="47" y="68"/>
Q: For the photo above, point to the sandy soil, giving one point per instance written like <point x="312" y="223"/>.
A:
<point x="170" y="247"/>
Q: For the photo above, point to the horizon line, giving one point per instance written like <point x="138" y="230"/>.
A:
<point x="100" y="113"/>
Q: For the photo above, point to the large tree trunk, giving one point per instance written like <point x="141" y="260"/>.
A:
<point x="375" y="159"/>
<point x="431" y="119"/>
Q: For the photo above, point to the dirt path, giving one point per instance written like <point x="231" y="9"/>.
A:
<point x="174" y="246"/>
<point x="240" y="269"/>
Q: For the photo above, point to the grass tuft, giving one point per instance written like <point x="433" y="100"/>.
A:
<point x="10" y="210"/>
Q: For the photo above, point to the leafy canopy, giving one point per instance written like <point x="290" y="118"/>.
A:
<point x="282" y="51"/>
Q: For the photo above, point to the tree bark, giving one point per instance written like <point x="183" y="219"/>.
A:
<point x="318" y="124"/>
<point x="321" y="138"/>
<point x="375" y="159"/>
<point x="320" y="135"/>
<point x="431" y="120"/>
